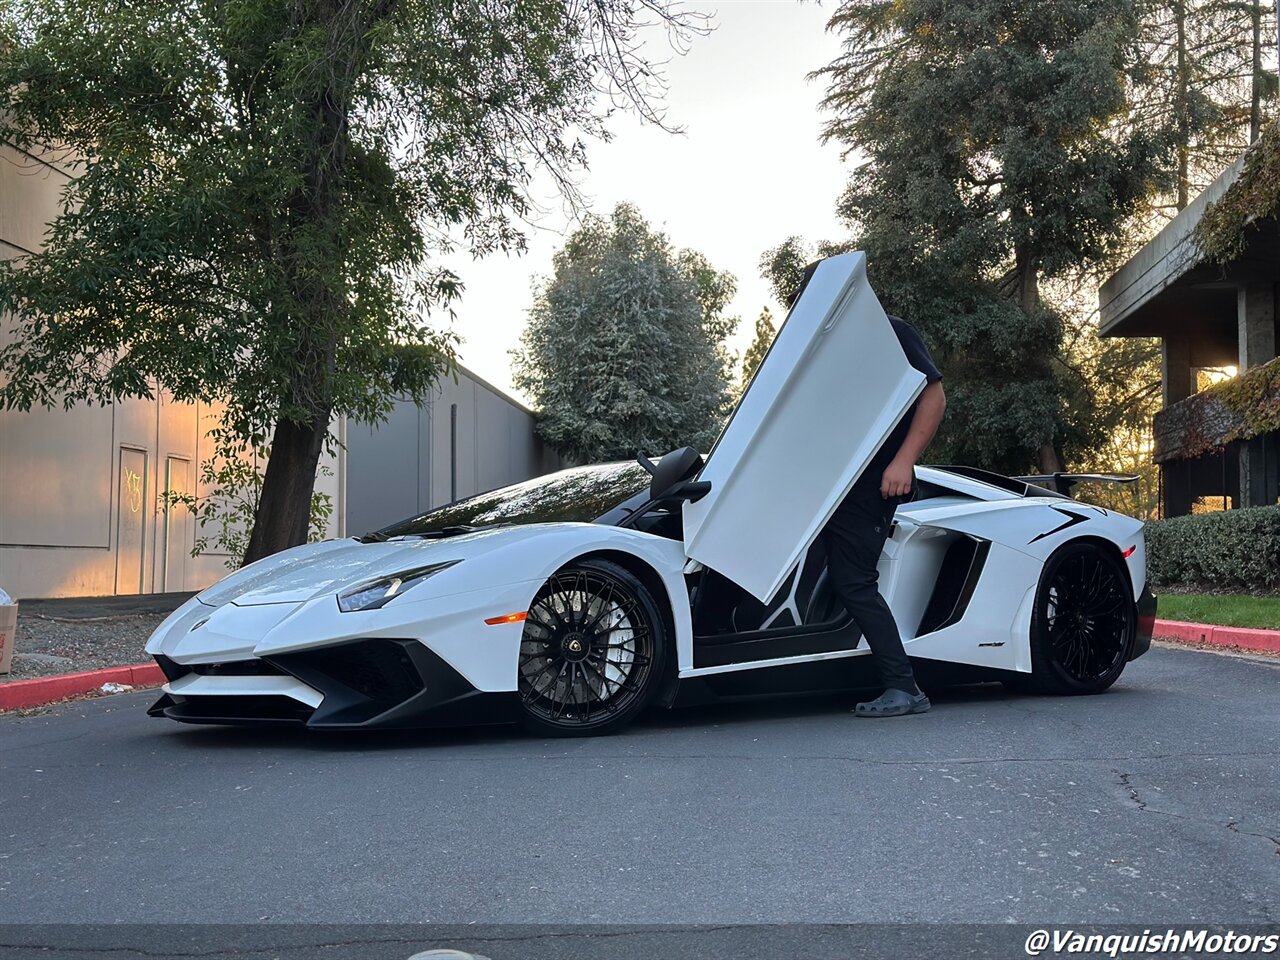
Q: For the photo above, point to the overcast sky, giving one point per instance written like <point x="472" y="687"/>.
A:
<point x="747" y="172"/>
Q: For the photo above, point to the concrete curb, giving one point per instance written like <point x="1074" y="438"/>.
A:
<point x="1260" y="641"/>
<point x="38" y="691"/>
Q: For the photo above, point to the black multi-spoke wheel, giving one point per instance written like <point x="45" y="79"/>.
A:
<point x="1083" y="626"/>
<point x="592" y="650"/>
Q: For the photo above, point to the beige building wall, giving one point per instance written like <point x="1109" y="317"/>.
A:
<point x="82" y="506"/>
<point x="82" y="511"/>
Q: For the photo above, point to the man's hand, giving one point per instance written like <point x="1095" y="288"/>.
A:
<point x="897" y="479"/>
<point x="900" y="474"/>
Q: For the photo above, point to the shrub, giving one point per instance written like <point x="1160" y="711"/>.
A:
<point x="1234" y="548"/>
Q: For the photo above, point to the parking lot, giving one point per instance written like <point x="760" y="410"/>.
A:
<point x="1158" y="801"/>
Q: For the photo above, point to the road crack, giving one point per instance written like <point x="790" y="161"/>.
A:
<point x="1141" y="805"/>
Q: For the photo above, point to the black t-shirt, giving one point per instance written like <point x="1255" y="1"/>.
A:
<point x="918" y="356"/>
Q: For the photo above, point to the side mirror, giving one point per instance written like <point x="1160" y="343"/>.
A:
<point x="672" y="471"/>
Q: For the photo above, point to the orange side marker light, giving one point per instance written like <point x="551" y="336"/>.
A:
<point x="508" y="618"/>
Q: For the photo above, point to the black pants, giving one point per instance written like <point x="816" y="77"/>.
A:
<point x="854" y="537"/>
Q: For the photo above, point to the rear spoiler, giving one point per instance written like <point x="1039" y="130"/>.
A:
<point x="1039" y="485"/>
<point x="1063" y="482"/>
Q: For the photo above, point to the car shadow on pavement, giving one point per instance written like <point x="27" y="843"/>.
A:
<point x="779" y="708"/>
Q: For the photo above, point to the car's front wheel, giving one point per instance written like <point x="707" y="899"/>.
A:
<point x="593" y="651"/>
<point x="1083" y="626"/>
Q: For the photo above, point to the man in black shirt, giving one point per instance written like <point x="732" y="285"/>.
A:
<point x="856" y="532"/>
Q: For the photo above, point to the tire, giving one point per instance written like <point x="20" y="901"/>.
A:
<point x="593" y="653"/>
<point x="1084" y="622"/>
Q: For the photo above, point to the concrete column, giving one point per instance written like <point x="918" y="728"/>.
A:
<point x="1175" y="385"/>
<point x="1256" y="318"/>
<point x="1259" y="471"/>
<point x="1175" y="483"/>
<point x="1175" y="369"/>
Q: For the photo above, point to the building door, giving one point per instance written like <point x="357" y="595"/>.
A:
<point x="131" y="520"/>
<point x="177" y="525"/>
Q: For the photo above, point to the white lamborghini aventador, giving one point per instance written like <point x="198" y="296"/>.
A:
<point x="575" y="600"/>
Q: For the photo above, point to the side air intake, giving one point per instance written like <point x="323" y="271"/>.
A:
<point x="957" y="579"/>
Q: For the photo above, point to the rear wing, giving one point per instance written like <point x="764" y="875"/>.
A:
<point x="1039" y="485"/>
<point x="1063" y="482"/>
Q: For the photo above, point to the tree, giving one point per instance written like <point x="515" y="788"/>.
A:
<point x="624" y="350"/>
<point x="1205" y="82"/>
<point x="765" y="332"/>
<point x="261" y="188"/>
<point x="999" y="158"/>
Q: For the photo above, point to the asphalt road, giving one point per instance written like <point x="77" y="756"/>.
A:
<point x="1158" y="802"/>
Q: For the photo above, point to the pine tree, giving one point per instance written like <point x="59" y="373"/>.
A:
<point x="765" y="332"/>
<point x="999" y="157"/>
<point x="1205" y="83"/>
<point x="624" y="350"/>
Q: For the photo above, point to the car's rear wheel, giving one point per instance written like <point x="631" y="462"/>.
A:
<point x="1083" y="625"/>
<point x="592" y="653"/>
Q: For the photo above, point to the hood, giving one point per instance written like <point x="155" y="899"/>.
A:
<point x="324" y="569"/>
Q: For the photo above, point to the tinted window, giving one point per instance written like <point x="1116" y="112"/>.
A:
<point x="579" y="494"/>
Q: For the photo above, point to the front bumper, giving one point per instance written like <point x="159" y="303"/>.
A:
<point x="1146" y="623"/>
<point x="378" y="682"/>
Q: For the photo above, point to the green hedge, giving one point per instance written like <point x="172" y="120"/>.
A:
<point x="1231" y="549"/>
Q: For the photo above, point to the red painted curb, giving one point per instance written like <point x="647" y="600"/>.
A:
<point x="38" y="691"/>
<point x="1263" y="641"/>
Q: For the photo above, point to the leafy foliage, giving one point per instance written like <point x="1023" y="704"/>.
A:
<point x="998" y="158"/>
<point x="1225" y="549"/>
<point x="1223" y="232"/>
<point x="1243" y="407"/>
<point x="624" y="350"/>
<point x="226" y="512"/>
<point x="261" y="189"/>
<point x="1112" y="432"/>
<point x="1206" y="83"/>
<point x="760" y="343"/>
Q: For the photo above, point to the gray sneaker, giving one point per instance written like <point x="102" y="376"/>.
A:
<point x="893" y="703"/>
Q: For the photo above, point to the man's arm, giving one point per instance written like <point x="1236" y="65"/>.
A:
<point x="897" y="478"/>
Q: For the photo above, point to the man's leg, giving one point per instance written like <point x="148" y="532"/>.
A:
<point x="854" y="537"/>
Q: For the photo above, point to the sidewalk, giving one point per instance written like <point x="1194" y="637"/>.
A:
<point x="86" y="608"/>
<point x="72" y="646"/>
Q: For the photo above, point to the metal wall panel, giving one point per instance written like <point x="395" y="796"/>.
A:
<point x="468" y="438"/>
<point x="132" y="489"/>
<point x="392" y="472"/>
<point x="178" y="529"/>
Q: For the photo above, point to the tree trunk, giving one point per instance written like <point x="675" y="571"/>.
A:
<point x="1255" y="102"/>
<point x="1028" y="273"/>
<point x="1048" y="460"/>
<point x="284" y="510"/>
<point x="1183" y="81"/>
<point x="1027" y="267"/>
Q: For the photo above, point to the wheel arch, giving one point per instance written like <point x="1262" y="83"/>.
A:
<point x="1109" y="546"/>
<point x="1106" y="547"/>
<point x="653" y="581"/>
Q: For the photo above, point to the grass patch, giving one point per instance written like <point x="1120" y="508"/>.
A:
<point x="1221" y="609"/>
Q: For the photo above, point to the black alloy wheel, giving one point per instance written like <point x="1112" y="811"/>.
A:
<point x="592" y="653"/>
<point x="1083" y="626"/>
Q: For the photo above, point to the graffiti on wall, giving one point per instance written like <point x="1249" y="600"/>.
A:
<point x="132" y="489"/>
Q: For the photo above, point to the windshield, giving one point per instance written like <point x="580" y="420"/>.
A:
<point x="579" y="494"/>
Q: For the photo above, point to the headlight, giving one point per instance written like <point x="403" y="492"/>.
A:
<point x="372" y="594"/>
